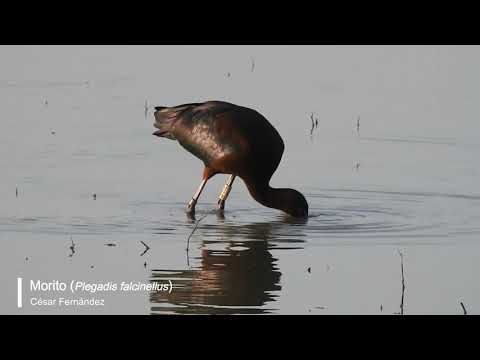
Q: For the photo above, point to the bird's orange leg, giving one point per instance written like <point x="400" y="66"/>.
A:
<point x="207" y="174"/>
<point x="225" y="192"/>
<point x="193" y="202"/>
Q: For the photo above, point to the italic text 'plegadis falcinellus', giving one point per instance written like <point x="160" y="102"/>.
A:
<point x="235" y="140"/>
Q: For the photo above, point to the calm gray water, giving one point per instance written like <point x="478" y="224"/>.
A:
<point x="77" y="121"/>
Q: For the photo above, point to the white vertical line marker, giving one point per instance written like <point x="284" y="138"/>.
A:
<point x="19" y="292"/>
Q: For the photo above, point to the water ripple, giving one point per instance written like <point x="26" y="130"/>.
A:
<point x="334" y="213"/>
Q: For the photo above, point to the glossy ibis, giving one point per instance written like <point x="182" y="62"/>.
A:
<point x="235" y="140"/>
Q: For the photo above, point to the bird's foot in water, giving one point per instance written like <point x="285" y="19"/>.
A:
<point x="220" y="214"/>
<point x="221" y="209"/>
<point x="220" y="205"/>
<point x="191" y="207"/>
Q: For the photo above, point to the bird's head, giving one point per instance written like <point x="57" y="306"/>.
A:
<point x="294" y="203"/>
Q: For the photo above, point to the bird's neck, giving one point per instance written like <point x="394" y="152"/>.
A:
<point x="268" y="196"/>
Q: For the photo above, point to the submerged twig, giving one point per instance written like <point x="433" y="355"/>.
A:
<point x="72" y="247"/>
<point x="313" y="124"/>
<point x="403" y="283"/>
<point x="189" y="236"/>
<point x="463" y="307"/>
<point x="146" y="248"/>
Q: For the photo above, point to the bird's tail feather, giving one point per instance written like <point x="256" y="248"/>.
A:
<point x="166" y="116"/>
<point x="164" y="119"/>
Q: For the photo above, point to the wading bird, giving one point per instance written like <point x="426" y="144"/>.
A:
<point x="234" y="140"/>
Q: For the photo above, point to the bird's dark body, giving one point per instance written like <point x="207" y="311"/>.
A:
<point x="229" y="139"/>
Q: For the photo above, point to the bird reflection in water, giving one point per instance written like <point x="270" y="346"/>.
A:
<point x="236" y="274"/>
